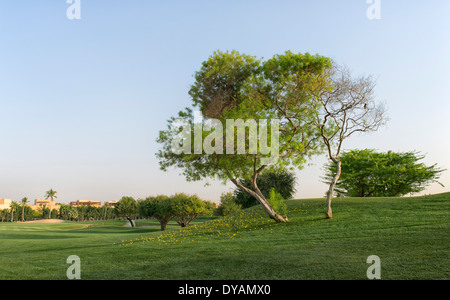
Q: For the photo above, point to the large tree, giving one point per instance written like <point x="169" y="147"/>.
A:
<point x="241" y="94"/>
<point x="368" y="173"/>
<point x="348" y="107"/>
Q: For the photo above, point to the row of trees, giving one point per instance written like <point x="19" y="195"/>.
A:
<point x="18" y="212"/>
<point x="24" y="212"/>
<point x="83" y="213"/>
<point x="180" y="207"/>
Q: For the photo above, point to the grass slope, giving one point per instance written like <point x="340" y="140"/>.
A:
<point x="410" y="235"/>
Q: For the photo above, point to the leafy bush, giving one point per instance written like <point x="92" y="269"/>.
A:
<point x="227" y="205"/>
<point x="277" y="202"/>
<point x="282" y="181"/>
<point x="367" y="173"/>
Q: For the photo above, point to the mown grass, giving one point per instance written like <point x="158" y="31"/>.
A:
<point x="410" y="235"/>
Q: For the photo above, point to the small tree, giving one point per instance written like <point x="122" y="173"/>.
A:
<point x="14" y="207"/>
<point x="159" y="207"/>
<point x="367" y="173"/>
<point x="348" y="107"/>
<point x="186" y="208"/>
<point x="128" y="208"/>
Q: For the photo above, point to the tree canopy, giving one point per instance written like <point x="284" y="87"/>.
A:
<point x="368" y="173"/>
<point x="128" y="208"/>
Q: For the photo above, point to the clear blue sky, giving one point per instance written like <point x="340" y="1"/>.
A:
<point x="82" y="101"/>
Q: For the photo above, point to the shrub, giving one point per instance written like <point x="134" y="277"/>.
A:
<point x="276" y="200"/>
<point x="282" y="181"/>
<point x="227" y="205"/>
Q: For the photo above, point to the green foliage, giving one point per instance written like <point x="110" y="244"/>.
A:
<point x="181" y="207"/>
<point x="277" y="202"/>
<point x="82" y="213"/>
<point x="219" y="82"/>
<point x="45" y="211"/>
<point x="159" y="207"/>
<point x="14" y="213"/>
<point x="367" y="173"/>
<point x="27" y="213"/>
<point x="228" y="204"/>
<point x="187" y="208"/>
<point x="51" y="194"/>
<point x="127" y="207"/>
<point x="283" y="181"/>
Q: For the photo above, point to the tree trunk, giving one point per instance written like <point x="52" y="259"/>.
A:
<point x="163" y="226"/>
<point x="131" y="222"/>
<point x="329" y="213"/>
<point x="261" y="199"/>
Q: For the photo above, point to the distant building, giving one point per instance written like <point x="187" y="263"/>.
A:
<point x="5" y="203"/>
<point x="111" y="203"/>
<point x="85" y="203"/>
<point x="40" y="203"/>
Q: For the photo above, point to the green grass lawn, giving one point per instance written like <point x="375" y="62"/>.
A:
<point x="410" y="235"/>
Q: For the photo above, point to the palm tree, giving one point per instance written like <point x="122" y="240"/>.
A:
<point x="24" y="201"/>
<point x="14" y="206"/>
<point x="52" y="195"/>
